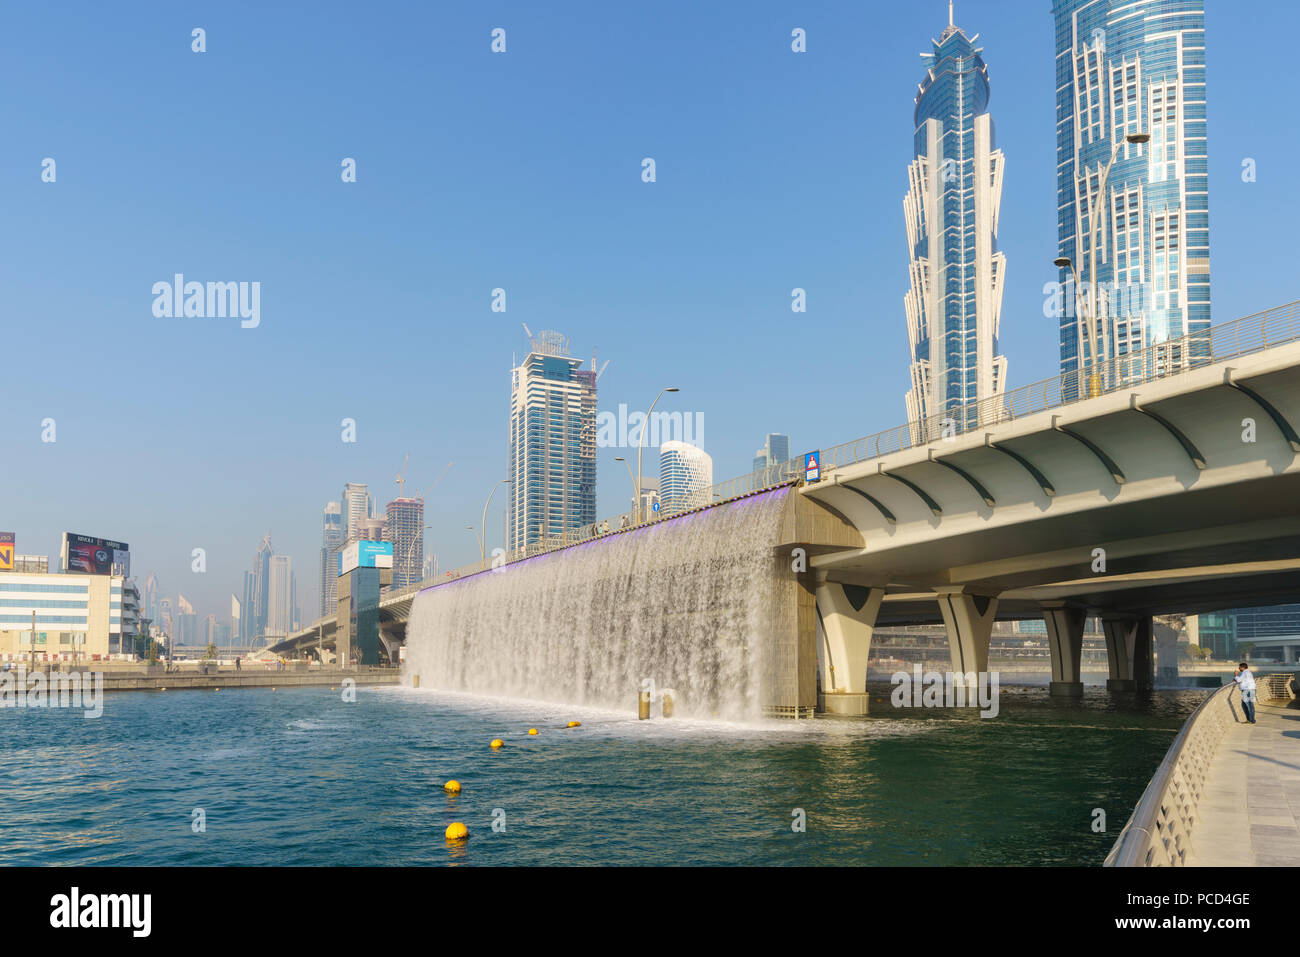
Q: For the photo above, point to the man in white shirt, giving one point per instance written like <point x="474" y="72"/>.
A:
<point x="1246" y="682"/>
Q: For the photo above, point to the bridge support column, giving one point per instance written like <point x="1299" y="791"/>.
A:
<point x="847" y="616"/>
<point x="1065" y="640"/>
<point x="1128" y="652"/>
<point x="968" y="620"/>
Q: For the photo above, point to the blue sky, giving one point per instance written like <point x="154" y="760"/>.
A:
<point x="518" y="170"/>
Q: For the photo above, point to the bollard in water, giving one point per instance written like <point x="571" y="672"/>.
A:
<point x="415" y="681"/>
<point x="668" y="704"/>
<point x="643" y="706"/>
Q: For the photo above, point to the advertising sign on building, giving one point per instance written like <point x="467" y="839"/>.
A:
<point x="6" y="551"/>
<point x="365" y="554"/>
<point x="95" y="556"/>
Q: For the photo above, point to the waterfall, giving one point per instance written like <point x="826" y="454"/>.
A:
<point x="688" y="603"/>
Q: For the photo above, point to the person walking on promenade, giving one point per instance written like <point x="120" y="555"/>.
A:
<point x="1246" y="682"/>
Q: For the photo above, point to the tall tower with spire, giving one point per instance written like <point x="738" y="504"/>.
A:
<point x="954" y="303"/>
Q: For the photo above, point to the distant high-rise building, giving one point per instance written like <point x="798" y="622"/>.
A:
<point x="1133" y="68"/>
<point x="150" y="597"/>
<point x="356" y="505"/>
<point x="372" y="529"/>
<point x="280" y="596"/>
<point x="552" y="457"/>
<point x="236" y="623"/>
<point x="685" y="475"/>
<point x="405" y="529"/>
<point x="775" y="451"/>
<point x="954" y="303"/>
<point x="256" y="585"/>
<point x="185" y="624"/>
<point x="333" y="536"/>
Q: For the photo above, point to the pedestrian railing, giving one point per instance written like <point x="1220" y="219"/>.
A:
<point x="1159" y="832"/>
<point x="1277" y="687"/>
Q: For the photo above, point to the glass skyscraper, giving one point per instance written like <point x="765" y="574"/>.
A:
<point x="775" y="451"/>
<point x="951" y="209"/>
<point x="1127" y="67"/>
<point x="552" y="462"/>
<point x="333" y="536"/>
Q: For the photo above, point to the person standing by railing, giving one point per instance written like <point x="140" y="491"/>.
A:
<point x="1246" y="683"/>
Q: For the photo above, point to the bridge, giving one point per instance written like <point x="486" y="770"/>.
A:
<point x="1164" y="482"/>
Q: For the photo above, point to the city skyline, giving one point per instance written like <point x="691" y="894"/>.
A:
<point x="226" y="450"/>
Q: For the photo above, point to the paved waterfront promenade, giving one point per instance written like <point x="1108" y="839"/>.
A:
<point x="1251" y="803"/>
<point x="158" y="680"/>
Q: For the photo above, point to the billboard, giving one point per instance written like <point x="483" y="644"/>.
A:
<point x="94" y="556"/>
<point x="6" y="551"/>
<point x="365" y="554"/>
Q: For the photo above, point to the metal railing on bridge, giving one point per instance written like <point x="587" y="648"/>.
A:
<point x="1159" y="832"/>
<point x="1227" y="340"/>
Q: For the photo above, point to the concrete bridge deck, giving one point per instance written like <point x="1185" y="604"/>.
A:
<point x="1250" y="807"/>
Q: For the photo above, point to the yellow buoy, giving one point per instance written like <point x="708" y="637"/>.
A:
<point x="532" y="730"/>
<point x="575" y="724"/>
<point x="497" y="743"/>
<point x="457" y="831"/>
<point x="452" y="787"/>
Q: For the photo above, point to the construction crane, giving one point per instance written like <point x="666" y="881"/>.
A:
<point x="439" y="478"/>
<point x="401" y="476"/>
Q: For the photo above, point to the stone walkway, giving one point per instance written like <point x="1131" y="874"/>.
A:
<point x="1251" y="804"/>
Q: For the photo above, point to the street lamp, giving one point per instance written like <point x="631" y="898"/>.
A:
<point x="410" y="553"/>
<point x="1094" y="380"/>
<point x="640" y="444"/>
<point x="636" y="486"/>
<point x="477" y="537"/>
<point x="482" y="539"/>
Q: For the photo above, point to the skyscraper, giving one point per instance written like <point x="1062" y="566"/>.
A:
<point x="1133" y="68"/>
<point x="552" y="457"/>
<point x="333" y="536"/>
<point x="256" y="583"/>
<point x="685" y="474"/>
<point x="406" y="531"/>
<point x="356" y="506"/>
<point x="775" y="451"/>
<point x="280" y="596"/>
<point x="954" y="304"/>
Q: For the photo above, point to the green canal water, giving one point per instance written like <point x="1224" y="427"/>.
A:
<point x="303" y="777"/>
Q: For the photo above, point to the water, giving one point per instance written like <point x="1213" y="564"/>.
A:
<point x="686" y="603"/>
<point x="301" y="777"/>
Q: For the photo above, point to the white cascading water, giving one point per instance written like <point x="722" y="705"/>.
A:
<point x="687" y="603"/>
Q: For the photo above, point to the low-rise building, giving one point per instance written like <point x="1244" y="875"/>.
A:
<point x="87" y="615"/>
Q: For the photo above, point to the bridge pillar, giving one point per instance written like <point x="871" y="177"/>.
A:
<point x="847" y="615"/>
<point x="968" y="620"/>
<point x="1128" y="652"/>
<point x="1065" y="640"/>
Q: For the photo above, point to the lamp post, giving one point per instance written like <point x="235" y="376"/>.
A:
<point x="640" y="444"/>
<point x="477" y="537"/>
<point x="410" y="553"/>
<point x="1094" y="380"/>
<point x="482" y="539"/>
<point x="636" y="485"/>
